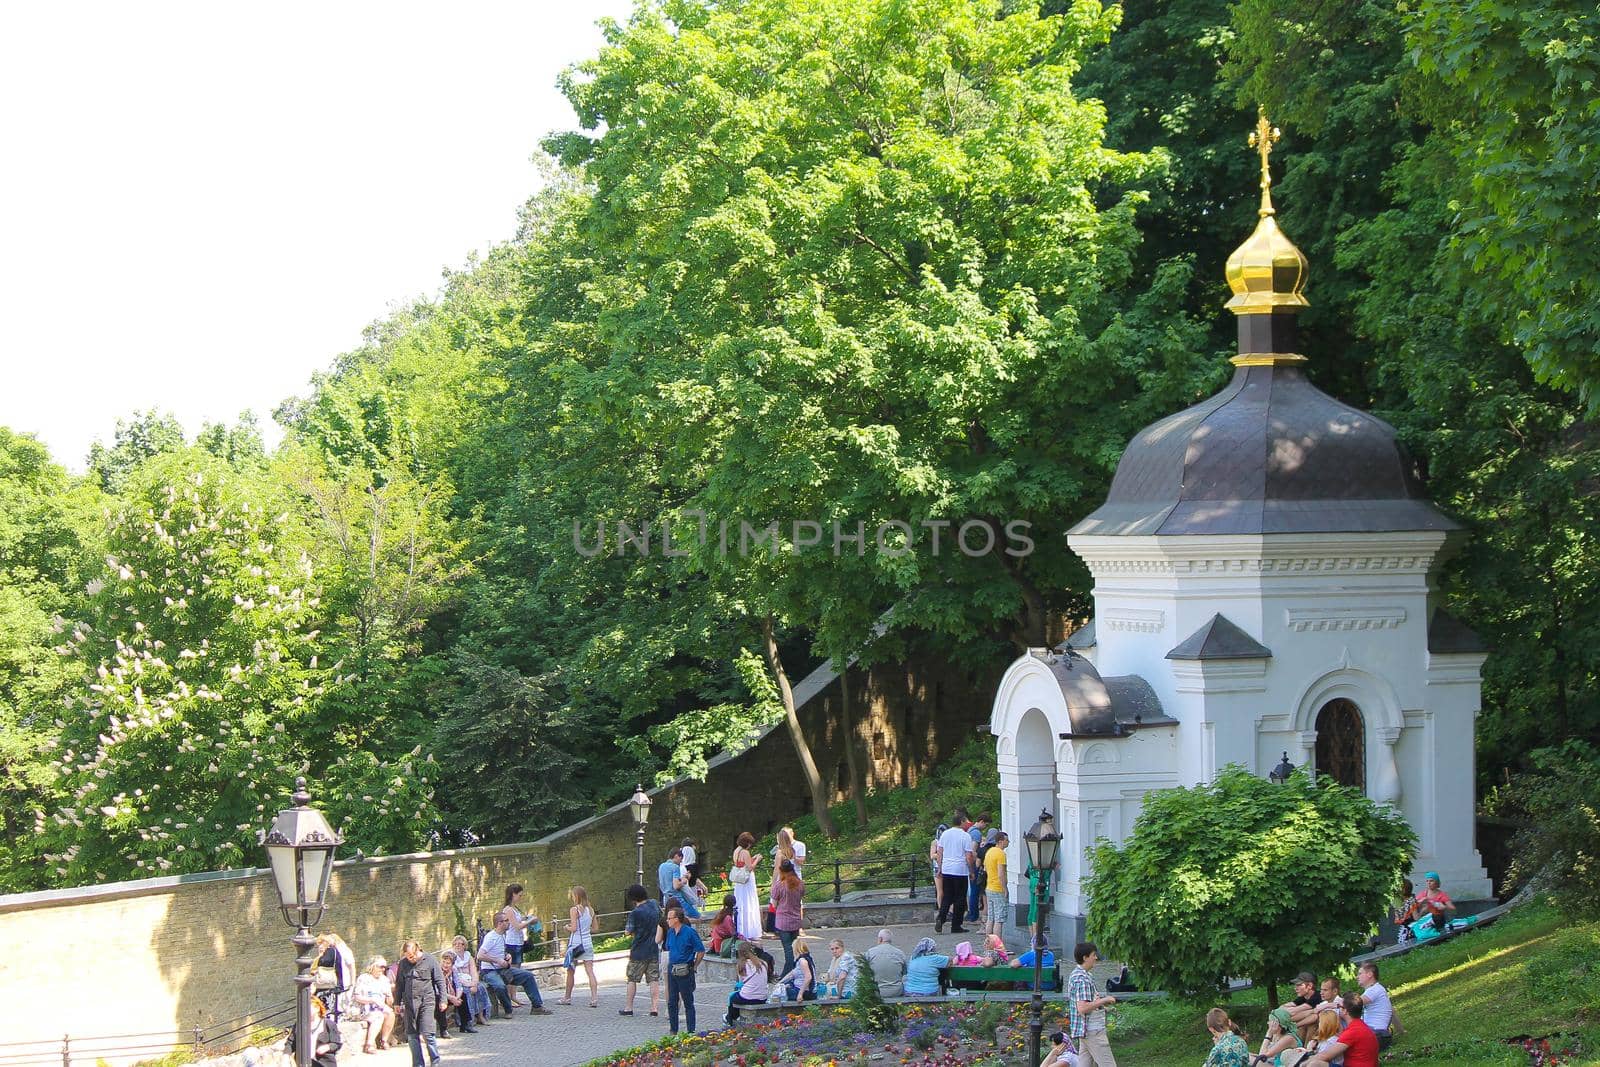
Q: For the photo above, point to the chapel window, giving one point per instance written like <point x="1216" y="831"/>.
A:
<point x="1341" y="744"/>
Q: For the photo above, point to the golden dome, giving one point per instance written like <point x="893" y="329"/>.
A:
<point x="1267" y="272"/>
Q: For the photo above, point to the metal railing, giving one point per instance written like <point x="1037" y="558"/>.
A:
<point x="217" y="1039"/>
<point x="898" y="871"/>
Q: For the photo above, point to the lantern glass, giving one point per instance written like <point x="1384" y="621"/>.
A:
<point x="285" y="875"/>
<point x="640" y="805"/>
<point x="1043" y="842"/>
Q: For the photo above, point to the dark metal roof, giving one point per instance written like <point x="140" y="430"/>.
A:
<point x="1102" y="707"/>
<point x="1447" y="634"/>
<point x="1220" y="639"/>
<point x="1270" y="453"/>
<point x="1082" y="637"/>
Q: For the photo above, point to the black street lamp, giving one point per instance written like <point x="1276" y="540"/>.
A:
<point x="639" y="804"/>
<point x="300" y="847"/>
<point x="1043" y="843"/>
<point x="1282" y="771"/>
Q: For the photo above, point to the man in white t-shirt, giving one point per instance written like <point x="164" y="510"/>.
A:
<point x="1379" y="1013"/>
<point x="958" y="859"/>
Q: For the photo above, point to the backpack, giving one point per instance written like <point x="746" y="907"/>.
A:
<point x="981" y="876"/>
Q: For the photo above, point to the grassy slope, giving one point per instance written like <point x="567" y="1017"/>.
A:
<point x="901" y="821"/>
<point x="1533" y="972"/>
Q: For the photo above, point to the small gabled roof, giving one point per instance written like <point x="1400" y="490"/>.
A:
<point x="1082" y="637"/>
<point x="1448" y="634"/>
<point x="1220" y="639"/>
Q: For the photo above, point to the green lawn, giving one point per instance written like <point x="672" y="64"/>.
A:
<point x="1531" y="973"/>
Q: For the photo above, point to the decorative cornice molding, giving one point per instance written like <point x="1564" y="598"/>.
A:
<point x="1254" y="565"/>
<point x="1136" y="620"/>
<point x="1325" y="619"/>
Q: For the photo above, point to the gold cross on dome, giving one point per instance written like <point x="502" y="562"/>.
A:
<point x="1262" y="138"/>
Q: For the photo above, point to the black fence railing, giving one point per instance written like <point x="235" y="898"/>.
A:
<point x="218" y="1039"/>
<point x="837" y="875"/>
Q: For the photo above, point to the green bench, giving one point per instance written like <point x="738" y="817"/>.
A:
<point x="981" y="977"/>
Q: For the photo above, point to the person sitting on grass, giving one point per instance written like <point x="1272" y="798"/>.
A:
<point x="1356" y="1043"/>
<point x="1281" y="1037"/>
<point x="1228" y="1048"/>
<point x="922" y="971"/>
<point x="1303" y="1008"/>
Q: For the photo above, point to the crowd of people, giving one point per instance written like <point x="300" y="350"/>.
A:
<point x="423" y="994"/>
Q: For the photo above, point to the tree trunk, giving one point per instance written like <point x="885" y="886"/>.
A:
<point x="802" y="747"/>
<point x="852" y="759"/>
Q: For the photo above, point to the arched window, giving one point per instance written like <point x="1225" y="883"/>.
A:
<point x="1341" y="744"/>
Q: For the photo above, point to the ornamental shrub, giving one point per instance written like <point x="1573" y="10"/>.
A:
<point x="1246" y="878"/>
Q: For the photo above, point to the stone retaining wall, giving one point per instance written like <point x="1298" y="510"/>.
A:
<point x="168" y="954"/>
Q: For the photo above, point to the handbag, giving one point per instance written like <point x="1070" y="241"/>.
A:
<point x="326" y="978"/>
<point x="680" y="970"/>
<point x="740" y="875"/>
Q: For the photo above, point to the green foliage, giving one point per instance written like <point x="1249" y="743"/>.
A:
<point x="867" y="1007"/>
<point x="199" y="699"/>
<point x="511" y="744"/>
<point x="147" y="434"/>
<point x="1511" y="91"/>
<point x="1559" y="802"/>
<point x="1245" y="877"/>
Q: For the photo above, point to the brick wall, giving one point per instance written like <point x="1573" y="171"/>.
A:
<point x="201" y="949"/>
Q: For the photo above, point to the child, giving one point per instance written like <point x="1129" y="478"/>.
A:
<point x="965" y="957"/>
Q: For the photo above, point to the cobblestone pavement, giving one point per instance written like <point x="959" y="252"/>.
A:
<point x="577" y="1034"/>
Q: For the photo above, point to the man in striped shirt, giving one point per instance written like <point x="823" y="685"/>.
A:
<point x="1086" y="1010"/>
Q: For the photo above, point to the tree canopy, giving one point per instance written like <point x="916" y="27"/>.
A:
<point x="814" y="287"/>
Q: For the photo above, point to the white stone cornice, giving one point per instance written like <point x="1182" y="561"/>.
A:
<point x="1325" y="619"/>
<point x="1134" y="620"/>
<point x="1271" y="554"/>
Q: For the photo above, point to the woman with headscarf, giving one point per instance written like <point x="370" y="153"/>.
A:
<point x="965" y="957"/>
<point x="922" y="970"/>
<point x="1281" y="1037"/>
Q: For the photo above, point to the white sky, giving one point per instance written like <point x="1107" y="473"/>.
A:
<point x="202" y="203"/>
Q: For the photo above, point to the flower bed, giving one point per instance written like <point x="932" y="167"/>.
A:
<point x="937" y="1036"/>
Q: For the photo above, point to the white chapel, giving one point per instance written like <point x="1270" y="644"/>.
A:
<point x="1263" y="590"/>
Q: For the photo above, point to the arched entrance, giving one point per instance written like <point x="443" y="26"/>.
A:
<point x="1341" y="743"/>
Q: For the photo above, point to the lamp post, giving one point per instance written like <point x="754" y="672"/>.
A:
<point x="1280" y="774"/>
<point x="1043" y="843"/>
<point x="639" y="804"/>
<point x="300" y="847"/>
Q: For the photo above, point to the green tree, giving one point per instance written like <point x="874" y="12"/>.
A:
<point x="201" y="678"/>
<point x="1243" y="877"/>
<point x="1558" y="804"/>
<point x="1511" y="92"/>
<point x="148" y="433"/>
<point x="845" y="263"/>
<point x="47" y="531"/>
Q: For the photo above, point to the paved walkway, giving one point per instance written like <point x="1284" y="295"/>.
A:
<point x="577" y="1034"/>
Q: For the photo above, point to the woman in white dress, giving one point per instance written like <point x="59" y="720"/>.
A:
<point x="580" y="946"/>
<point x="745" y="895"/>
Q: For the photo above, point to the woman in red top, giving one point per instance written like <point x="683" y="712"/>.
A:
<point x="1356" y="1042"/>
<point x="725" y="927"/>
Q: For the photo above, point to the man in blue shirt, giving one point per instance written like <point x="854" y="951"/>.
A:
<point x="685" y="950"/>
<point x="673" y="881"/>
